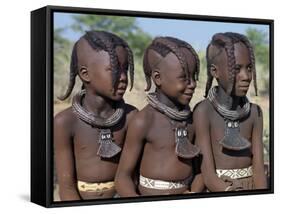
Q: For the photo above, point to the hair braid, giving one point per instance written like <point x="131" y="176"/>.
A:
<point x="186" y="45"/>
<point x="175" y="50"/>
<point x="209" y="75"/>
<point x="107" y="41"/>
<point x="131" y="66"/>
<point x="111" y="43"/>
<point x="101" y="40"/>
<point x="147" y="69"/>
<point x="246" y="42"/>
<point x="229" y="48"/>
<point x="72" y="74"/>
<point x="165" y="45"/>
<point x="160" y="49"/>
<point x="227" y="41"/>
<point x="220" y="40"/>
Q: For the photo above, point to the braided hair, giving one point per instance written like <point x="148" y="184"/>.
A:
<point x="101" y="40"/>
<point x="163" y="46"/>
<point x="226" y="41"/>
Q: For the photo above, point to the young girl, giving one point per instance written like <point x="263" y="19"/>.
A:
<point x="88" y="136"/>
<point x="159" y="141"/>
<point x="228" y="127"/>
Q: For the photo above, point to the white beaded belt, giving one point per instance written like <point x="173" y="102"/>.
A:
<point x="162" y="185"/>
<point x="235" y="173"/>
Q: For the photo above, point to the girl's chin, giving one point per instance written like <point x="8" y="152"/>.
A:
<point x="184" y="102"/>
<point x="241" y="93"/>
<point x="117" y="97"/>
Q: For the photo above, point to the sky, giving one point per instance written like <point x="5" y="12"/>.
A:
<point x="197" y="33"/>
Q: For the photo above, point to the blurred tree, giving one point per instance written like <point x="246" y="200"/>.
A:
<point x="62" y="50"/>
<point x="125" y="27"/>
<point x="260" y="42"/>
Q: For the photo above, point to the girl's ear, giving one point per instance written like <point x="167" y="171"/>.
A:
<point x="156" y="77"/>
<point x="214" y="71"/>
<point x="84" y="74"/>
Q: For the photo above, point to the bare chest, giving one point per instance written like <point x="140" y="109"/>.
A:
<point x="86" y="138"/>
<point x="226" y="158"/>
<point x="218" y="127"/>
<point x="163" y="131"/>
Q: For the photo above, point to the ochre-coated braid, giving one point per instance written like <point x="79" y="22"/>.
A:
<point x="101" y="40"/>
<point x="72" y="74"/>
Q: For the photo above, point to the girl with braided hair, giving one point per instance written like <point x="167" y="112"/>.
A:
<point x="159" y="143"/>
<point x="228" y="127"/>
<point x="88" y="136"/>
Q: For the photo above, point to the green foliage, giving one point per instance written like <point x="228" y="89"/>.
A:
<point x="125" y="27"/>
<point x="62" y="50"/>
<point x="259" y="40"/>
<point x="62" y="46"/>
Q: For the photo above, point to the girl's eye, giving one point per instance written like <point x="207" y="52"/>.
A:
<point x="183" y="77"/>
<point x="237" y="69"/>
<point x="194" y="76"/>
<point x="249" y="68"/>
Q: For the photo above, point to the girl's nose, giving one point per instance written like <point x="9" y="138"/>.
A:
<point x="192" y="84"/>
<point x="245" y="75"/>
<point x="123" y="76"/>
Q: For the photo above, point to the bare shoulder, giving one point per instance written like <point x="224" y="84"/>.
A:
<point x="202" y="109"/>
<point x="130" y="111"/>
<point x="142" y="118"/>
<point x="65" y="119"/>
<point x="256" y="110"/>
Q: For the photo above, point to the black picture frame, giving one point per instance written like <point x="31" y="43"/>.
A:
<point x="42" y="163"/>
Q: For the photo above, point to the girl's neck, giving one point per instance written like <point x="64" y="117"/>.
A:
<point x="98" y="105"/>
<point x="167" y="101"/>
<point x="231" y="102"/>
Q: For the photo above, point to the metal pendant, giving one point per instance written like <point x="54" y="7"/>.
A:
<point x="184" y="148"/>
<point x="232" y="139"/>
<point x="107" y="148"/>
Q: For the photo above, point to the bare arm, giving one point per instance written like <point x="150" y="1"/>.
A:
<point x="203" y="140"/>
<point x="64" y="159"/>
<point x="257" y="148"/>
<point x="197" y="184"/>
<point x="198" y="181"/>
<point x="132" y="149"/>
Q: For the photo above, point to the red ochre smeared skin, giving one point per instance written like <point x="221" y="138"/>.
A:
<point x="149" y="148"/>
<point x="210" y="124"/>
<point x="76" y="142"/>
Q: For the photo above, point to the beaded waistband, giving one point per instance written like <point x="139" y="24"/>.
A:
<point x="162" y="185"/>
<point x="235" y="173"/>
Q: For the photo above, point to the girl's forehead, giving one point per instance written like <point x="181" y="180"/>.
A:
<point x="240" y="49"/>
<point x="121" y="52"/>
<point x="170" y="60"/>
<point x="88" y="55"/>
<point x="97" y="57"/>
<point x="242" y="54"/>
<point x="171" y="63"/>
<point x="189" y="58"/>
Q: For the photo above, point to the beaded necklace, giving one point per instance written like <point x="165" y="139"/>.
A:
<point x="184" y="148"/>
<point x="107" y="147"/>
<point x="232" y="139"/>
